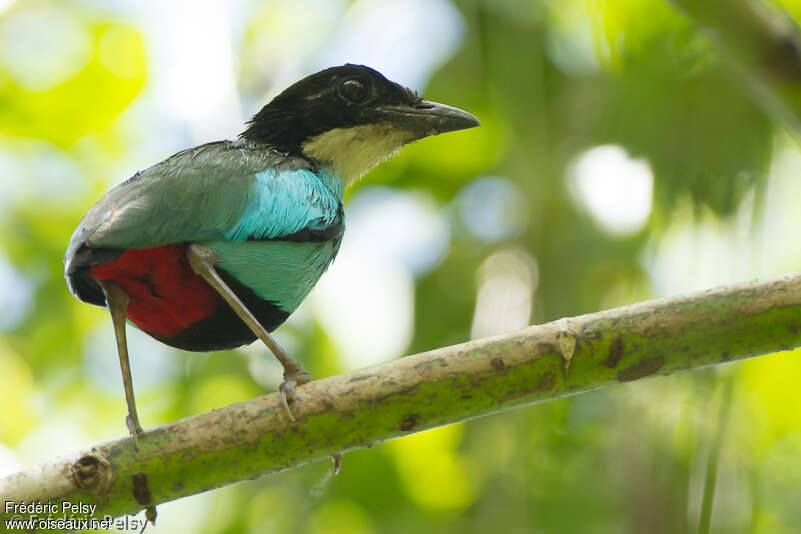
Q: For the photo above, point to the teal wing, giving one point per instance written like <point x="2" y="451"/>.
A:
<point x="219" y="192"/>
<point x="196" y="194"/>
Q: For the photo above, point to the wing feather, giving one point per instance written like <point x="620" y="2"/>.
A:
<point x="196" y="195"/>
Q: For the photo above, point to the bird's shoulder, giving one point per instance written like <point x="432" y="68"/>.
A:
<point x="301" y="204"/>
<point x="194" y="194"/>
<point x="213" y="191"/>
<point x="221" y="159"/>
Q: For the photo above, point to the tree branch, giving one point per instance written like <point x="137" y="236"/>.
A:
<point x="762" y="45"/>
<point x="450" y="384"/>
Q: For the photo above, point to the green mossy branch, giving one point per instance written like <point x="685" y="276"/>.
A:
<point x="443" y="386"/>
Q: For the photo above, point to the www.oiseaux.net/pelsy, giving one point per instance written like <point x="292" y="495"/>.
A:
<point x="219" y="244"/>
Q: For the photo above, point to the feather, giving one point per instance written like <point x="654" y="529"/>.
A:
<point x="252" y="204"/>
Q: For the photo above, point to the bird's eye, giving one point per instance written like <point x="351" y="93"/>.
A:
<point x="353" y="91"/>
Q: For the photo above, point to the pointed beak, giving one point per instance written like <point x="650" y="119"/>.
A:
<point x="429" y="118"/>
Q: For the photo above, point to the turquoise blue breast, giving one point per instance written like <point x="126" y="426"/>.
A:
<point x="283" y="204"/>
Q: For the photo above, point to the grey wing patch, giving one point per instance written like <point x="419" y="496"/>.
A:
<point x="132" y="179"/>
<point x="191" y="196"/>
<point x="76" y="272"/>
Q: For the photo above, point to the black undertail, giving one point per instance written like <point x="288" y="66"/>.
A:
<point x="80" y="281"/>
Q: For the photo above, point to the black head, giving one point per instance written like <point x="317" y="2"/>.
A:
<point x="344" y="98"/>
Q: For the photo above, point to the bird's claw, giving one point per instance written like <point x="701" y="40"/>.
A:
<point x="285" y="402"/>
<point x="287" y="389"/>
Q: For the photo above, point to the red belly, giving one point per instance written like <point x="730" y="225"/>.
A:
<point x="166" y="294"/>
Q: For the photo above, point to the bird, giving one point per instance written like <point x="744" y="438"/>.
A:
<point x="217" y="245"/>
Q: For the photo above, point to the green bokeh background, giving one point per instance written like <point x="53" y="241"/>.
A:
<point x="550" y="81"/>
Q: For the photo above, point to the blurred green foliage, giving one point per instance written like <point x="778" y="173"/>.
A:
<point x="549" y="80"/>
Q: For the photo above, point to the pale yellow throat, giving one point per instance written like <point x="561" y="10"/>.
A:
<point x="354" y="151"/>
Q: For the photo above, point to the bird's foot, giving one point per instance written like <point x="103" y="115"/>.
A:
<point x="135" y="429"/>
<point x="287" y="389"/>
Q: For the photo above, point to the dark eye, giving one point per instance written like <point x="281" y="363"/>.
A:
<point x="353" y="90"/>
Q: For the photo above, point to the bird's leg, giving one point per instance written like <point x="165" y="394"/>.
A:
<point x="202" y="260"/>
<point x="117" y="300"/>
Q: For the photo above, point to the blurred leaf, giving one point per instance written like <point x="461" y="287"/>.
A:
<point x="18" y="389"/>
<point x="85" y="103"/>
<point x="434" y="473"/>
